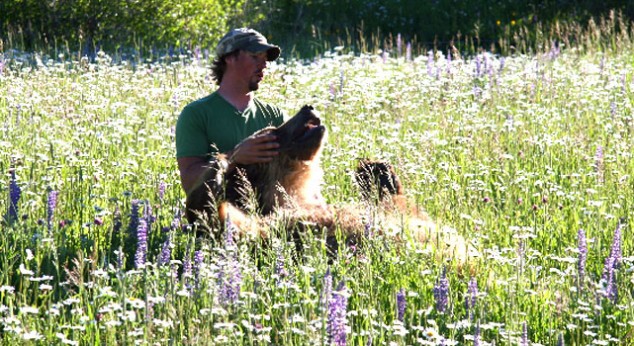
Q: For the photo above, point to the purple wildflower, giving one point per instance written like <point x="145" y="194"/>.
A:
<point x="14" y="197"/>
<point x="280" y="270"/>
<point x="199" y="257"/>
<point x="187" y="265"/>
<point x="441" y="292"/>
<point x="476" y="335"/>
<point x="177" y="219"/>
<point x="148" y="215"/>
<point x="615" y="250"/>
<point x="399" y="45"/>
<point x="430" y="63"/>
<point x="161" y="190"/>
<point x="472" y="293"/>
<point x="400" y="304"/>
<point x="612" y="262"/>
<point x="583" y="255"/>
<point x="141" y="247"/>
<point x="166" y="252"/>
<point x="229" y="275"/>
<point x="560" y="340"/>
<point x="524" y="339"/>
<point x="230" y="231"/>
<point x="337" y="307"/>
<point x="50" y="210"/>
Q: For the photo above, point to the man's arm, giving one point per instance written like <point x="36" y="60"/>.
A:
<point x="194" y="169"/>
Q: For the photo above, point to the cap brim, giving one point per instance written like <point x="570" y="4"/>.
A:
<point x="272" y="51"/>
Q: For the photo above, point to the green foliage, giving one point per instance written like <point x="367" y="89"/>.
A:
<point x="369" y="25"/>
<point x="120" y="23"/>
<point x="303" y="27"/>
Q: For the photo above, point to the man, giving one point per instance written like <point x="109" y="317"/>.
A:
<point x="220" y="122"/>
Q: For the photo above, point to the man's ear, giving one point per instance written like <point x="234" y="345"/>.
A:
<point x="230" y="59"/>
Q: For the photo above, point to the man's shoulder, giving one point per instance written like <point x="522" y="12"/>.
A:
<point x="204" y="101"/>
<point x="203" y="107"/>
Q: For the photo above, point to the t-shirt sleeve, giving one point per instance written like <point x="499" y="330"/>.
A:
<point x="191" y="139"/>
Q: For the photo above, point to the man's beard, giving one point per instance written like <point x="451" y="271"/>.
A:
<point x="253" y="86"/>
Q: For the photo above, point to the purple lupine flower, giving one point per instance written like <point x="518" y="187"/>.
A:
<point x="560" y="340"/>
<point x="472" y="294"/>
<point x="176" y="221"/>
<point x="399" y="45"/>
<point x="50" y="210"/>
<point x="524" y="339"/>
<point x="337" y="323"/>
<point x="199" y="257"/>
<point x="441" y="292"/>
<point x="476" y="335"/>
<point x="430" y="63"/>
<point x="280" y="270"/>
<point x="161" y="190"/>
<point x="148" y="215"/>
<point x="583" y="255"/>
<point x="187" y="266"/>
<point x="229" y="275"/>
<point x="612" y="262"/>
<point x="14" y="197"/>
<point x="134" y="216"/>
<point x="141" y="246"/>
<point x="615" y="250"/>
<point x="400" y="304"/>
<point x="230" y="231"/>
<point x="166" y="252"/>
<point x="611" y="289"/>
<point x="230" y="281"/>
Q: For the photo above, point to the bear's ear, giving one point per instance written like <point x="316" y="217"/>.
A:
<point x="308" y="108"/>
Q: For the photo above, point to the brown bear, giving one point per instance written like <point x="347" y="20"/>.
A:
<point x="287" y="191"/>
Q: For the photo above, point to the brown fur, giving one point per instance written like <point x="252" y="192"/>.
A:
<point x="287" y="191"/>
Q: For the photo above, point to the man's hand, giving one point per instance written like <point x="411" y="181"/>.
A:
<point x="256" y="149"/>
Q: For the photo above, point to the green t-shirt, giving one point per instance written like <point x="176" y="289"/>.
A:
<point x="211" y="125"/>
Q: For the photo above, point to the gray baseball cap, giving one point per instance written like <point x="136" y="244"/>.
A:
<point x="248" y="40"/>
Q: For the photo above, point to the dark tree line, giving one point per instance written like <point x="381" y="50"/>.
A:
<point x="134" y="24"/>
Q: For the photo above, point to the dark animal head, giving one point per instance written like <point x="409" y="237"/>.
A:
<point x="292" y="175"/>
<point x="301" y="136"/>
<point x="377" y="178"/>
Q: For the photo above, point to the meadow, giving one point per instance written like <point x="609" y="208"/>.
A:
<point x="529" y="157"/>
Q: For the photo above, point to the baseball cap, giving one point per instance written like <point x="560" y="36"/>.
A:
<point x="248" y="40"/>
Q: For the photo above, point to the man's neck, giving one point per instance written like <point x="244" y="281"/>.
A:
<point x="238" y="99"/>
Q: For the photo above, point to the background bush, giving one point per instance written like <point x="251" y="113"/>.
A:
<point x="305" y="25"/>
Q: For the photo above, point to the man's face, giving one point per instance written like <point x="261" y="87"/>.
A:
<point x="250" y="67"/>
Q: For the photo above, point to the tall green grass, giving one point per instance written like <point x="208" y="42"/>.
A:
<point x="517" y="154"/>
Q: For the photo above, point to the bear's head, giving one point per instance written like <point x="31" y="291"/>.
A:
<point x="293" y="177"/>
<point x="300" y="138"/>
